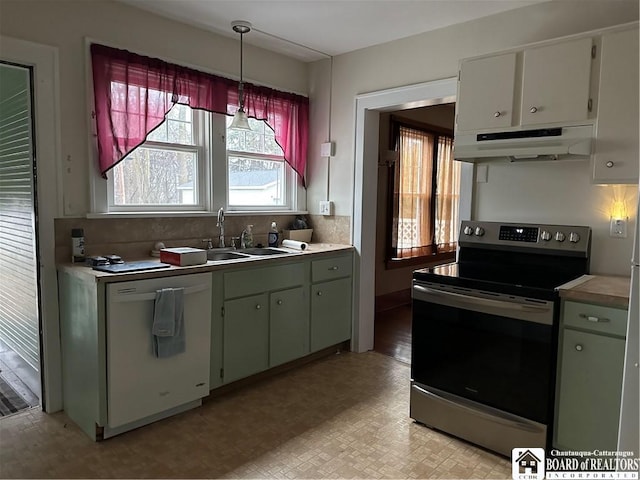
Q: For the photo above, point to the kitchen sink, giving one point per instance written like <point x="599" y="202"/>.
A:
<point x="224" y="255"/>
<point x="263" y="251"/>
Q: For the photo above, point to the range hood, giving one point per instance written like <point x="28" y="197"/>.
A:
<point x="539" y="144"/>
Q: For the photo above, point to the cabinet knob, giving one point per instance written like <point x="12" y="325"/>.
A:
<point x="609" y="164"/>
<point x="579" y="347"/>
<point x="497" y="114"/>
<point x="319" y="293"/>
<point x="279" y="302"/>
<point x="258" y="306"/>
<point x="533" y="109"/>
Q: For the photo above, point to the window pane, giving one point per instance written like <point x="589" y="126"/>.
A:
<point x="177" y="128"/>
<point x="153" y="176"/>
<point x="256" y="182"/>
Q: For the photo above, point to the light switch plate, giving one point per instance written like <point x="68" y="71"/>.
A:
<point x="618" y="228"/>
<point x="327" y="149"/>
<point x="326" y="208"/>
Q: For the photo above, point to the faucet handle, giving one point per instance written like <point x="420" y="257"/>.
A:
<point x="234" y="242"/>
<point x="209" y="243"/>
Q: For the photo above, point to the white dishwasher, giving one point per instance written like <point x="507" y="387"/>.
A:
<point x="140" y="385"/>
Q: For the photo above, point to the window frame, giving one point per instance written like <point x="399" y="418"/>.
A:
<point x="430" y="253"/>
<point x="200" y="146"/>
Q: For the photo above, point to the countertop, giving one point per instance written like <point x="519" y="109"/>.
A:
<point x="314" y="249"/>
<point x="610" y="291"/>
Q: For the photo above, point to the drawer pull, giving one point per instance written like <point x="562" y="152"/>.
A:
<point x="333" y="268"/>
<point x="579" y="347"/>
<point x="592" y="318"/>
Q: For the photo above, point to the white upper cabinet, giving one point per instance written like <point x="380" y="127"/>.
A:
<point x="555" y="83"/>
<point x="533" y="86"/>
<point x="486" y="92"/>
<point x="616" y="148"/>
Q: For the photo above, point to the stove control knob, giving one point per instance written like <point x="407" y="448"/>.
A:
<point x="545" y="235"/>
<point x="560" y="236"/>
<point x="468" y="230"/>
<point x="479" y="231"/>
<point x="574" y="237"/>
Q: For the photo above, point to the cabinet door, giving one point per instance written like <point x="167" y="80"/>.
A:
<point x="246" y="336"/>
<point x="616" y="149"/>
<point x="289" y="329"/>
<point x="589" y="391"/>
<point x="555" y="85"/>
<point x="485" y="92"/>
<point x="330" y="313"/>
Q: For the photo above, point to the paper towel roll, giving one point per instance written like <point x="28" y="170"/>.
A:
<point x="295" y="244"/>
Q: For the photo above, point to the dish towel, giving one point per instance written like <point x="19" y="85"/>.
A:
<point x="168" y="323"/>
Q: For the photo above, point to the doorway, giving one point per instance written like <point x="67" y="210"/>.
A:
<point x="397" y="258"/>
<point x="368" y="109"/>
<point x="19" y="283"/>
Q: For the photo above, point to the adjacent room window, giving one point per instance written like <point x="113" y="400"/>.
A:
<point x="257" y="175"/>
<point x="426" y="187"/>
<point x="166" y="171"/>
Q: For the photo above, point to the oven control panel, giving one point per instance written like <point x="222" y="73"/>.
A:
<point x="569" y="239"/>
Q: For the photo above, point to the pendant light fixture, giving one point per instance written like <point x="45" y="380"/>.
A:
<point x="240" y="120"/>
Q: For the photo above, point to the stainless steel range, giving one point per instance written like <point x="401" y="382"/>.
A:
<point x="484" y="333"/>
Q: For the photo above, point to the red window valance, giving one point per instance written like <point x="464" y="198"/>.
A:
<point x="133" y="93"/>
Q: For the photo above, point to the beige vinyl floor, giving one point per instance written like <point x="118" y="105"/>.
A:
<point x="344" y="416"/>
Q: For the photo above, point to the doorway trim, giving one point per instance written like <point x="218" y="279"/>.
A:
<point x="46" y="105"/>
<point x="363" y="227"/>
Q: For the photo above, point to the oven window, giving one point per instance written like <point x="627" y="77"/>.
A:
<point x="497" y="361"/>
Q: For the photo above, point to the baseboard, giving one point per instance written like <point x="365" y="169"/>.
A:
<point x="393" y="300"/>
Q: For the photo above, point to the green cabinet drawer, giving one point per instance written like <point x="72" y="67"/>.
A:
<point x="589" y="389"/>
<point x="252" y="281"/>
<point x="595" y="318"/>
<point x="331" y="268"/>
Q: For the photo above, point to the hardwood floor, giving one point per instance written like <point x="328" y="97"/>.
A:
<point x="392" y="328"/>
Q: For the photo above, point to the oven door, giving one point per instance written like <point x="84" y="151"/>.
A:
<point x="494" y="349"/>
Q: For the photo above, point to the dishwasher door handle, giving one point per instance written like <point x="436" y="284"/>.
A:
<point x="123" y="296"/>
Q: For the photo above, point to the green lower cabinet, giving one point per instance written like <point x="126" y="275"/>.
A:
<point x="289" y="329"/>
<point x="246" y="336"/>
<point x="589" y="391"/>
<point x="330" y="313"/>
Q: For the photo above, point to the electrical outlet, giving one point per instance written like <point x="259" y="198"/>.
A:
<point x="326" y="208"/>
<point x="618" y="228"/>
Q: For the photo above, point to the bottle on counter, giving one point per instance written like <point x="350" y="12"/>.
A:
<point x="272" y="238"/>
<point x="246" y="239"/>
<point x="77" y="245"/>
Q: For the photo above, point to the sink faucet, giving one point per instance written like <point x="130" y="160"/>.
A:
<point x="220" y="225"/>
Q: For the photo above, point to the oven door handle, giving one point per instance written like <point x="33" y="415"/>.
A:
<point x="472" y="301"/>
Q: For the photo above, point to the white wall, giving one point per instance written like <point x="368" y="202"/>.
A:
<point x="559" y="193"/>
<point x="65" y="24"/>
<point x="435" y="55"/>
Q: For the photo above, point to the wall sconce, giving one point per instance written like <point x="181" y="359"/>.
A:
<point x="619" y="218"/>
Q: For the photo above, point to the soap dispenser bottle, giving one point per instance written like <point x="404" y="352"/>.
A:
<point x="246" y="239"/>
<point x="273" y="235"/>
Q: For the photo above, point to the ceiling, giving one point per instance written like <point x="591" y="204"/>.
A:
<point x="310" y="30"/>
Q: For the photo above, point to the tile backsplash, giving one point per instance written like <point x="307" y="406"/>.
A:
<point x="134" y="238"/>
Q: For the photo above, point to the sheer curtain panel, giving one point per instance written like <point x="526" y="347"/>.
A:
<point x="133" y="93"/>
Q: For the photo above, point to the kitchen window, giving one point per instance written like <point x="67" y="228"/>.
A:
<point x="425" y="187"/>
<point x="167" y="171"/>
<point x="160" y="137"/>
<point x="258" y="178"/>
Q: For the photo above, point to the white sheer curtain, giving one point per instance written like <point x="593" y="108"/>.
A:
<point x="447" y="194"/>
